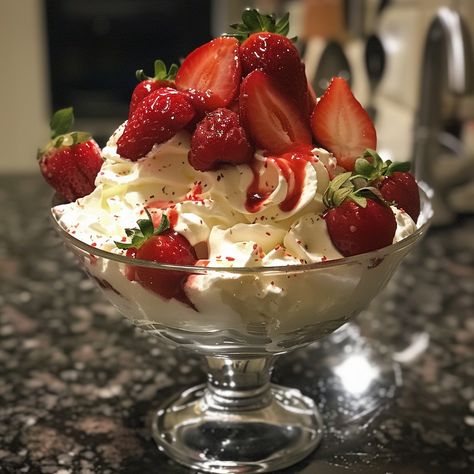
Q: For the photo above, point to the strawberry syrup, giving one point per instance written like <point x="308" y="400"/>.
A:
<point x="292" y="167"/>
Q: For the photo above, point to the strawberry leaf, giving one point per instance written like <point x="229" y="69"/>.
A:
<point x="251" y="19"/>
<point x="364" y="167"/>
<point x="61" y="122"/>
<point x="375" y="157"/>
<point x="359" y="200"/>
<point x="164" y="225"/>
<point x="254" y="22"/>
<point x="146" y="227"/>
<point x="340" y="195"/>
<point x="144" y="231"/>
<point x="403" y="166"/>
<point x="338" y="190"/>
<point x="160" y="71"/>
<point x="123" y="245"/>
<point x="283" y="25"/>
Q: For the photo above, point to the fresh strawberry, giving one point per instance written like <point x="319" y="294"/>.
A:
<point x="158" y="244"/>
<point x="70" y="161"/>
<point x="159" y="116"/>
<point x="401" y="189"/>
<point x="211" y="74"/>
<point x="162" y="78"/>
<point x="358" y="220"/>
<point x="271" y="118"/>
<point x="341" y="125"/>
<point x="219" y="138"/>
<point x="395" y="183"/>
<point x="265" y="47"/>
<point x="355" y="229"/>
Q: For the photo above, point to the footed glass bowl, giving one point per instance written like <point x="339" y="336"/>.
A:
<point x="239" y="320"/>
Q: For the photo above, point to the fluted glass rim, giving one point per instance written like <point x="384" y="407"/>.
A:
<point x="426" y="194"/>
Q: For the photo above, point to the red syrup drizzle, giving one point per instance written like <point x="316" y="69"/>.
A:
<point x="292" y="166"/>
<point x="162" y="205"/>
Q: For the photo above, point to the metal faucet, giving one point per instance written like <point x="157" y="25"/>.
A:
<point x="447" y="68"/>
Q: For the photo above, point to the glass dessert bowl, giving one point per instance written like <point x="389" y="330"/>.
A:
<point x="239" y="320"/>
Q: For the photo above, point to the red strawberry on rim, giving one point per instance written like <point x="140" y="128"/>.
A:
<point x="159" y="244"/>
<point x="401" y="188"/>
<point x="158" y="117"/>
<point x="162" y="78"/>
<point x="355" y="229"/>
<point x="358" y="220"/>
<point x="219" y="138"/>
<point x="70" y="161"/>
<point x="395" y="183"/>
<point x="211" y="74"/>
<point x="271" y="118"/>
<point x="341" y="125"/>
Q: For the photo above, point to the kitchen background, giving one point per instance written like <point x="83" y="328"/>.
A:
<point x="409" y="62"/>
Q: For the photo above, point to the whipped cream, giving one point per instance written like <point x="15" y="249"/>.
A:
<point x="280" y="225"/>
<point x="212" y="209"/>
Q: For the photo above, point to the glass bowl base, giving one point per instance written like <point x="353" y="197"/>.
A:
<point x="275" y="436"/>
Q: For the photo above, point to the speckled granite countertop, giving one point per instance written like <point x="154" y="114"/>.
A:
<point x="78" y="384"/>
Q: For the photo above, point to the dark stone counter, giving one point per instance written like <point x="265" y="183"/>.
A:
<point x="78" y="384"/>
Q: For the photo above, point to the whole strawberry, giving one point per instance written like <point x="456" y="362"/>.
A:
<point x="158" y="117"/>
<point x="396" y="185"/>
<point x="265" y="47"/>
<point x="70" y="161"/>
<point x="162" y="78"/>
<point x="401" y="189"/>
<point x="219" y="138"/>
<point x="159" y="244"/>
<point x="357" y="223"/>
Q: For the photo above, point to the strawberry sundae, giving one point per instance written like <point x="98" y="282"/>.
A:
<point x="230" y="161"/>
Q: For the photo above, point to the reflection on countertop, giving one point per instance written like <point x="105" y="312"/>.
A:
<point x="77" y="382"/>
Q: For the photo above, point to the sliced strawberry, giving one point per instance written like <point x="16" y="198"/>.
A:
<point x="70" y="161"/>
<point x="159" y="116"/>
<point x="341" y="125"/>
<point x="211" y="74"/>
<point x="219" y="138"/>
<point x="270" y="116"/>
<point x="401" y="189"/>
<point x="277" y="56"/>
<point x="162" y="78"/>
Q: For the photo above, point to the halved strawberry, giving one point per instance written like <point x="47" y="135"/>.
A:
<point x="341" y="125"/>
<point x="270" y="116"/>
<point x="211" y="74"/>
